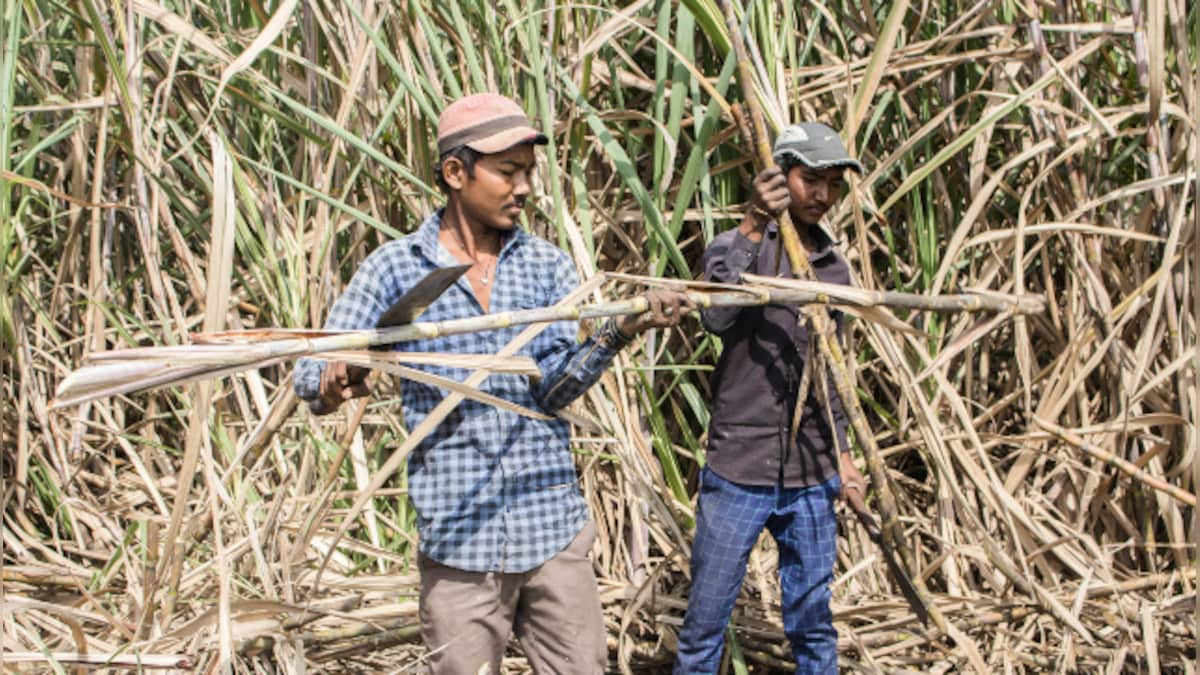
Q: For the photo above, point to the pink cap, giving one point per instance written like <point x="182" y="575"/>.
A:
<point x="487" y="123"/>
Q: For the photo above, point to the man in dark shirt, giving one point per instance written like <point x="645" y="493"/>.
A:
<point x="767" y="466"/>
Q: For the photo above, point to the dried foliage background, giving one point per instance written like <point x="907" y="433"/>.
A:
<point x="1033" y="147"/>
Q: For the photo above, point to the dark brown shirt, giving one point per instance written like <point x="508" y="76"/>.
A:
<point x="758" y="374"/>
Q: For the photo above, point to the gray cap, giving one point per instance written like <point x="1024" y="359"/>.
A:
<point x="815" y="145"/>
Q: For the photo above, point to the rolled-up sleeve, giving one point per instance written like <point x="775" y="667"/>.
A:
<point x="725" y="260"/>
<point x="568" y="367"/>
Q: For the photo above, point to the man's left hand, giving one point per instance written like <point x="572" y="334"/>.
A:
<point x="665" y="308"/>
<point x="854" y="485"/>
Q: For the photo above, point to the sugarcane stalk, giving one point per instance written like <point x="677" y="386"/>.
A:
<point x="376" y="642"/>
<point x="216" y="354"/>
<point x="1135" y="472"/>
<point x="852" y="296"/>
<point x="822" y="326"/>
<point x="147" y="661"/>
<point x="43" y="582"/>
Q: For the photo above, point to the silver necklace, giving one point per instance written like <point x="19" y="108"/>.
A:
<point x="486" y="277"/>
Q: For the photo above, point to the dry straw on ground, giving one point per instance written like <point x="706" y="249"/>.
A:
<point x="169" y="168"/>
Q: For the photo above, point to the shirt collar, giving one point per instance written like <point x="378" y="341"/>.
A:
<point x="427" y="237"/>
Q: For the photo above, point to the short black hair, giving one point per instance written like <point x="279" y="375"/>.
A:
<point x="462" y="153"/>
<point x="788" y="162"/>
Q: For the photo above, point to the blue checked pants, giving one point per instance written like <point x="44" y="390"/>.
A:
<point x="730" y="519"/>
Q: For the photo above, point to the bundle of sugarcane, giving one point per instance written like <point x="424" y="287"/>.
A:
<point x="213" y="355"/>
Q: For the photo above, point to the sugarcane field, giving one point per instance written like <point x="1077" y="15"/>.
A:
<point x="709" y="336"/>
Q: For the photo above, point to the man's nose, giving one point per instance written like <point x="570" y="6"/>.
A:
<point x="521" y="184"/>
<point x="821" y="193"/>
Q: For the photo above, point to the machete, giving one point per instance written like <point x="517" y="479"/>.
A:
<point x="901" y="578"/>
<point x="420" y="297"/>
<point x="410" y="305"/>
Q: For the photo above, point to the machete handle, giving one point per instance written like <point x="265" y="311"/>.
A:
<point x="859" y="506"/>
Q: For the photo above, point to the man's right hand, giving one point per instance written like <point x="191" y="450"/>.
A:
<point x="770" y="196"/>
<point x="340" y="382"/>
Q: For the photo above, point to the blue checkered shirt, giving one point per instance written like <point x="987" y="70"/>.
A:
<point x="493" y="490"/>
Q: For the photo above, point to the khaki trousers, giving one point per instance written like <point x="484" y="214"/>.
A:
<point x="467" y="617"/>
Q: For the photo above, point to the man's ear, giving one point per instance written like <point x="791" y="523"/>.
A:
<point x="454" y="172"/>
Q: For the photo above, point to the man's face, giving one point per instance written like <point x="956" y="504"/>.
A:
<point x="495" y="196"/>
<point x="813" y="192"/>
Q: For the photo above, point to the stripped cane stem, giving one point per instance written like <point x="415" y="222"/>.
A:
<point x="213" y="355"/>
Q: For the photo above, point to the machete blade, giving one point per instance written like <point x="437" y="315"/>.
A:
<point x="889" y="557"/>
<point x="907" y="589"/>
<point x="420" y="297"/>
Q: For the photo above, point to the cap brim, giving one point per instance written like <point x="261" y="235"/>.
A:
<point x="508" y="138"/>
<point x="820" y="163"/>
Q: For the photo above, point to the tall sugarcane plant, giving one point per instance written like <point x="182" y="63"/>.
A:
<point x="1041" y="462"/>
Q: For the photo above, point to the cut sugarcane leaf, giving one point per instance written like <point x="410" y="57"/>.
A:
<point x="507" y="365"/>
<point x="454" y="386"/>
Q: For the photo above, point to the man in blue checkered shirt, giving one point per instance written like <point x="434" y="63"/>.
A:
<point x="504" y="530"/>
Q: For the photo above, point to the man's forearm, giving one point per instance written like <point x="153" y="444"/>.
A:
<point x="581" y="369"/>
<point x="726" y="264"/>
